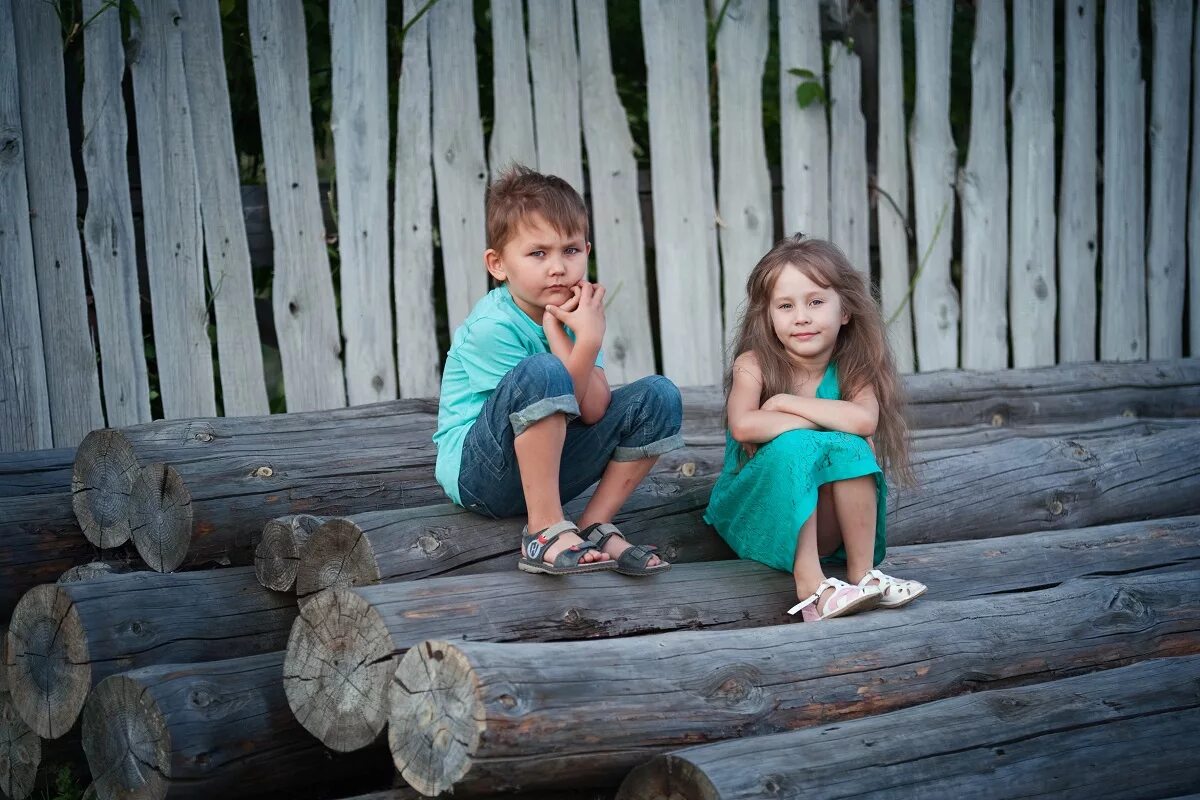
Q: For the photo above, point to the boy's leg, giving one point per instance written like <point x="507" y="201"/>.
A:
<point x="855" y="501"/>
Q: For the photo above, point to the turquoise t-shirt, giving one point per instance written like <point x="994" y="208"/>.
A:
<point x="496" y="337"/>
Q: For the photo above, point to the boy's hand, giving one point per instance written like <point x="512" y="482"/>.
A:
<point x="556" y="337"/>
<point x="583" y="313"/>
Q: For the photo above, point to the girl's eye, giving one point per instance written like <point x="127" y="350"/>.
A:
<point x="784" y="306"/>
<point x="538" y="253"/>
<point x="817" y="301"/>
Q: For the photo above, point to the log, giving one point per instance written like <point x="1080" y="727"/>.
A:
<point x="343" y="648"/>
<point x="94" y="570"/>
<point x="474" y="716"/>
<point x="278" y="554"/>
<point x="20" y="751"/>
<point x="39" y="540"/>
<point x="234" y="474"/>
<point x="33" y="472"/>
<point x="1014" y="486"/>
<point x="218" y="729"/>
<point x="64" y="639"/>
<point x="1076" y="736"/>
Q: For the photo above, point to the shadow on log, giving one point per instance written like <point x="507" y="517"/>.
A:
<point x="1015" y="486"/>
<point x="64" y="639"/>
<point x="344" y="646"/>
<point x="1119" y="733"/>
<point x="218" y="729"/>
<point x="477" y="717"/>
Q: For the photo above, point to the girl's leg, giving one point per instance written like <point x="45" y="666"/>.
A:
<point x="829" y="532"/>
<point x="806" y="568"/>
<point x="855" y="504"/>
<point x="539" y="449"/>
<point x="618" y="482"/>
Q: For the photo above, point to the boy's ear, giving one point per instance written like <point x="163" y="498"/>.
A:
<point x="495" y="267"/>
<point x="588" y="249"/>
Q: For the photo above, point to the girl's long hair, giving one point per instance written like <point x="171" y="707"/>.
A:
<point x="862" y="353"/>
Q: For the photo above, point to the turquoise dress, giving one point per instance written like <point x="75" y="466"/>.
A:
<point x="759" y="507"/>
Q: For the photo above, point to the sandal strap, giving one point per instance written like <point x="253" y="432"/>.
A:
<point x="598" y="533"/>
<point x="639" y="554"/>
<point x="573" y="554"/>
<point x="828" y="583"/>
<point x="537" y="543"/>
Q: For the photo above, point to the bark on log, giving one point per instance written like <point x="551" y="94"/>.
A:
<point x="1015" y="486"/>
<point x="235" y="473"/>
<point x="278" y="554"/>
<point x="64" y="639"/>
<point x="344" y="646"/>
<point x="1078" y="735"/>
<point x="219" y="729"/>
<point x="475" y="717"/>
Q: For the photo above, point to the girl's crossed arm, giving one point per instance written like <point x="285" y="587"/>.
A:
<point x="859" y="415"/>
<point x="749" y="423"/>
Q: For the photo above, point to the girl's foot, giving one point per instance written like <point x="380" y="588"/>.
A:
<point x="630" y="559"/>
<point x="895" y="592"/>
<point x="835" y="598"/>
<point x="558" y="550"/>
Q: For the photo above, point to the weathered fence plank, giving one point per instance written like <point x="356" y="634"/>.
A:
<point x="243" y="384"/>
<point x="891" y="189"/>
<point x="1095" y="725"/>
<point x="171" y="214"/>
<point x="849" y="216"/>
<point x="479" y="716"/>
<point x="1166" y="250"/>
<point x="1123" y="259"/>
<point x="554" y="66"/>
<point x="934" y="163"/>
<point x="358" y="35"/>
<point x="685" y="236"/>
<point x="512" y="112"/>
<point x="25" y="410"/>
<point x="343" y="648"/>
<point x="412" y="271"/>
<point x="983" y="192"/>
<point x="747" y="223"/>
<point x="306" y="322"/>
<point x="108" y="236"/>
<point x="1194" y="201"/>
<point x="65" y="638"/>
<point x="1077" y="234"/>
<point x="72" y="382"/>
<point x="215" y="729"/>
<point x="1032" y="293"/>
<point x="618" y="238"/>
<point x="803" y="132"/>
<point x="458" y="162"/>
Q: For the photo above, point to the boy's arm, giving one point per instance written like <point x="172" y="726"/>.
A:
<point x="859" y="415"/>
<point x="748" y="422"/>
<point x="598" y="395"/>
<point x="591" y="386"/>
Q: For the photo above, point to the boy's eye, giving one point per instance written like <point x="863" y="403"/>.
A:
<point x="538" y="253"/>
<point x="572" y="250"/>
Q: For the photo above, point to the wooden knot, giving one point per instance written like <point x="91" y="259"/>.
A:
<point x="1129" y="412"/>
<point x="429" y="544"/>
<point x="264" y="472"/>
<point x="687" y="469"/>
<point x="204" y="436"/>
<point x="1056" y="507"/>
<point x="998" y="420"/>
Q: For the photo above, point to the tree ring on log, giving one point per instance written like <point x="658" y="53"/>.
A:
<point x="437" y="717"/>
<point x="93" y="570"/>
<point x="101" y="483"/>
<point x="160" y="517"/>
<point x="126" y="741"/>
<point x="336" y="556"/>
<point x="668" y="778"/>
<point x="277" y="557"/>
<point x="336" y="672"/>
<point x="20" y="750"/>
<point x="49" y="673"/>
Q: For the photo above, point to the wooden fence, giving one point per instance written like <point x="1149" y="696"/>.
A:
<point x="1031" y="256"/>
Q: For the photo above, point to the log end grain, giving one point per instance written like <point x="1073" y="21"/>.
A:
<point x="277" y="556"/>
<point x="336" y="556"/>
<point x="436" y="718"/>
<point x="93" y="570"/>
<point x="126" y="741"/>
<point x="47" y="661"/>
<point x="667" y="778"/>
<point x="160" y="517"/>
<point x="20" y="751"/>
<point x="101" y="484"/>
<point x="339" y="661"/>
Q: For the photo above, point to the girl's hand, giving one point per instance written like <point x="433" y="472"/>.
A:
<point x="774" y="403"/>
<point x="583" y="313"/>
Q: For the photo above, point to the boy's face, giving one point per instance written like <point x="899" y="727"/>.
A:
<point x="540" y="265"/>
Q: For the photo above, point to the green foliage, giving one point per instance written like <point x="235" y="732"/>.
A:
<point x="811" y="89"/>
<point x="65" y="785"/>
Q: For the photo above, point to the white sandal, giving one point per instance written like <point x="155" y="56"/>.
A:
<point x="846" y="599"/>
<point x="895" y="592"/>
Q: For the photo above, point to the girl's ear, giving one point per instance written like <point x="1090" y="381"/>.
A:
<point x="495" y="266"/>
<point x="845" y="317"/>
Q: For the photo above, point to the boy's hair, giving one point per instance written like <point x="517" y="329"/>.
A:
<point x="862" y="353"/>
<point x="520" y="192"/>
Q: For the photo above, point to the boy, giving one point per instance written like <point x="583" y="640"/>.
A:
<point x="526" y="418"/>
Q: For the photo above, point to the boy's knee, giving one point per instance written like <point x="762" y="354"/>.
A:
<point x="661" y="403"/>
<point x="543" y="375"/>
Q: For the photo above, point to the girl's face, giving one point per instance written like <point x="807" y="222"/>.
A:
<point x="806" y="318"/>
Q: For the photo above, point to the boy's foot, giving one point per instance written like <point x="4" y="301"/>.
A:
<point x="630" y="559"/>
<point x="896" y="591"/>
<point x="551" y="551"/>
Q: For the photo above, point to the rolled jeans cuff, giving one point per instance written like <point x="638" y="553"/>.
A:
<point x="536" y="412"/>
<point x="647" y="450"/>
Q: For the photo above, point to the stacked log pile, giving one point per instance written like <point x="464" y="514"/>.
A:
<point x="1056" y="524"/>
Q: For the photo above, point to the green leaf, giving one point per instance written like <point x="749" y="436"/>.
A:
<point x="802" y="73"/>
<point x="227" y="7"/>
<point x="809" y="93"/>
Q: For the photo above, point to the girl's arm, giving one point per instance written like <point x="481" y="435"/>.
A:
<point x="748" y="423"/>
<point x="859" y="415"/>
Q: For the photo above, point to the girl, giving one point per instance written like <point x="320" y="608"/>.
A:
<point x="812" y="384"/>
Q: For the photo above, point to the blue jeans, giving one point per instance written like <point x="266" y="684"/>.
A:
<point x="642" y="420"/>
